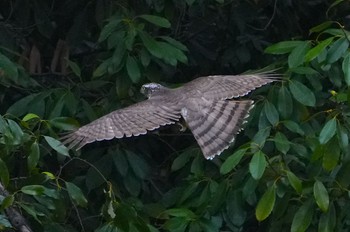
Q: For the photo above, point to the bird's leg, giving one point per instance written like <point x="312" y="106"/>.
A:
<point x="182" y="125"/>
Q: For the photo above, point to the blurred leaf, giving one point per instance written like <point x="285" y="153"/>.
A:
<point x="76" y="194"/>
<point x="138" y="165"/>
<point x="102" y="68"/>
<point x="271" y="113"/>
<point x="4" y="173"/>
<point x="231" y="162"/>
<point x="181" y="212"/>
<point x="181" y="160"/>
<point x="34" y="190"/>
<point x="4" y="222"/>
<point x="328" y="131"/>
<point x="337" y="50"/>
<point x="132" y="184"/>
<point x="297" y="56"/>
<point x="145" y="58"/>
<point x="303" y="217"/>
<point x="133" y="69"/>
<point x="331" y="155"/>
<point x="64" y="123"/>
<point x="75" y="68"/>
<point x="315" y="51"/>
<point x="108" y="29"/>
<point x="302" y="93"/>
<point x="130" y="38"/>
<point x="321" y="27"/>
<point x="266" y="203"/>
<point x="346" y="69"/>
<point x="8" y="68"/>
<point x="327" y="221"/>
<point x="28" y="117"/>
<point x="283" y="47"/>
<point x="7" y="202"/>
<point x="57" y="145"/>
<point x="294" y="181"/>
<point x="156" y="20"/>
<point x="257" y="165"/>
<point x="174" y="43"/>
<point x="282" y="143"/>
<point x="321" y="196"/>
<point x="121" y="163"/>
<point x="20" y="107"/>
<point x="177" y="224"/>
<point x="34" y="156"/>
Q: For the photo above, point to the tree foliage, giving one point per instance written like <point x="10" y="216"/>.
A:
<point x="63" y="63"/>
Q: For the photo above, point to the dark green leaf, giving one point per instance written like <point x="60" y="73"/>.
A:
<point x="331" y="155"/>
<point x="181" y="212"/>
<point x="321" y="27"/>
<point x="156" y="20"/>
<point x="337" y="50"/>
<point x="346" y="69"/>
<point x="294" y="181"/>
<point x="121" y="163"/>
<point x="75" y="68"/>
<point x="7" y="202"/>
<point x="34" y="156"/>
<point x="64" y="123"/>
<point x="302" y="93"/>
<point x="57" y="145"/>
<point x="133" y="69"/>
<point x="321" y="196"/>
<point x="328" y="131"/>
<point x="181" y="160"/>
<point x="266" y="203"/>
<point x="293" y="127"/>
<point x="303" y="217"/>
<point x="35" y="190"/>
<point x="76" y="194"/>
<point x="138" y="165"/>
<point x="8" y="67"/>
<point x="282" y="143"/>
<point x="108" y="29"/>
<point x="177" y="224"/>
<point x="174" y="43"/>
<point x="4" y="173"/>
<point x="271" y="113"/>
<point x="285" y="102"/>
<point x="297" y="56"/>
<point x="130" y="38"/>
<point x="232" y="161"/>
<point x="257" y="165"/>
<point x="327" y="221"/>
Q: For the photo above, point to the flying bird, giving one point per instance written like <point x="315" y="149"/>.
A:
<point x="207" y="104"/>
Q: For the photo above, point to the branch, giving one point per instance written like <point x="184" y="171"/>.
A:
<point x="16" y="219"/>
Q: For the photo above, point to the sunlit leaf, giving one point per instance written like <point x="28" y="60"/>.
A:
<point x="266" y="203"/>
<point x="321" y="195"/>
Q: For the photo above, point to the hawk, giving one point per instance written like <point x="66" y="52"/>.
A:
<point x="206" y="104"/>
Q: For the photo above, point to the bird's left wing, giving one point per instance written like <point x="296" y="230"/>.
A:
<point x="134" y="120"/>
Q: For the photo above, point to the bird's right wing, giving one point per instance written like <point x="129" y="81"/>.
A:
<point x="134" y="120"/>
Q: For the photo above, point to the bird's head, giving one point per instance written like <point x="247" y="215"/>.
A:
<point x="151" y="89"/>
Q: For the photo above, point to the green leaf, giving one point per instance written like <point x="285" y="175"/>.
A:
<point x="8" y="68"/>
<point x="30" y="116"/>
<point x="156" y="20"/>
<point x="7" y="202"/>
<point x="102" y="68"/>
<point x="303" y="217"/>
<point x="176" y="224"/>
<point x="181" y="212"/>
<point x="64" y="123"/>
<point x="321" y="195"/>
<point x="174" y="43"/>
<point x="4" y="222"/>
<point x="20" y="107"/>
<point x="34" y="190"/>
<point x="266" y="204"/>
<point x="271" y="113"/>
<point x="297" y="56"/>
<point x="4" y="173"/>
<point x="138" y="165"/>
<point x="57" y="145"/>
<point x="321" y="27"/>
<point x="232" y="161"/>
<point x="285" y="102"/>
<point x="257" y="165"/>
<point x="76" y="194"/>
<point x="302" y="93"/>
<point x="315" y="51"/>
<point x="151" y="44"/>
<point x="337" y="50"/>
<point x="121" y="163"/>
<point x="293" y="127"/>
<point x="75" y="68"/>
<point x="328" y="131"/>
<point x="181" y="160"/>
<point x="294" y="181"/>
<point x="327" y="221"/>
<point x="283" y="47"/>
<point x="34" y="156"/>
<point x="282" y="143"/>
<point x="130" y="38"/>
<point x="331" y="155"/>
<point x="108" y="29"/>
<point x="133" y="69"/>
<point x="346" y="69"/>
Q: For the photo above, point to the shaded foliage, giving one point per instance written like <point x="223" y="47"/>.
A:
<point x="64" y="62"/>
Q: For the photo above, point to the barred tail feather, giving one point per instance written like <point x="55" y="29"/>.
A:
<point x="217" y="127"/>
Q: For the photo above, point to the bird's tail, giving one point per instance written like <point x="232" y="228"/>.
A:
<point x="218" y="124"/>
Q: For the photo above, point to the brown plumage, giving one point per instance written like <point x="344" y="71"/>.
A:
<point x="205" y="104"/>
